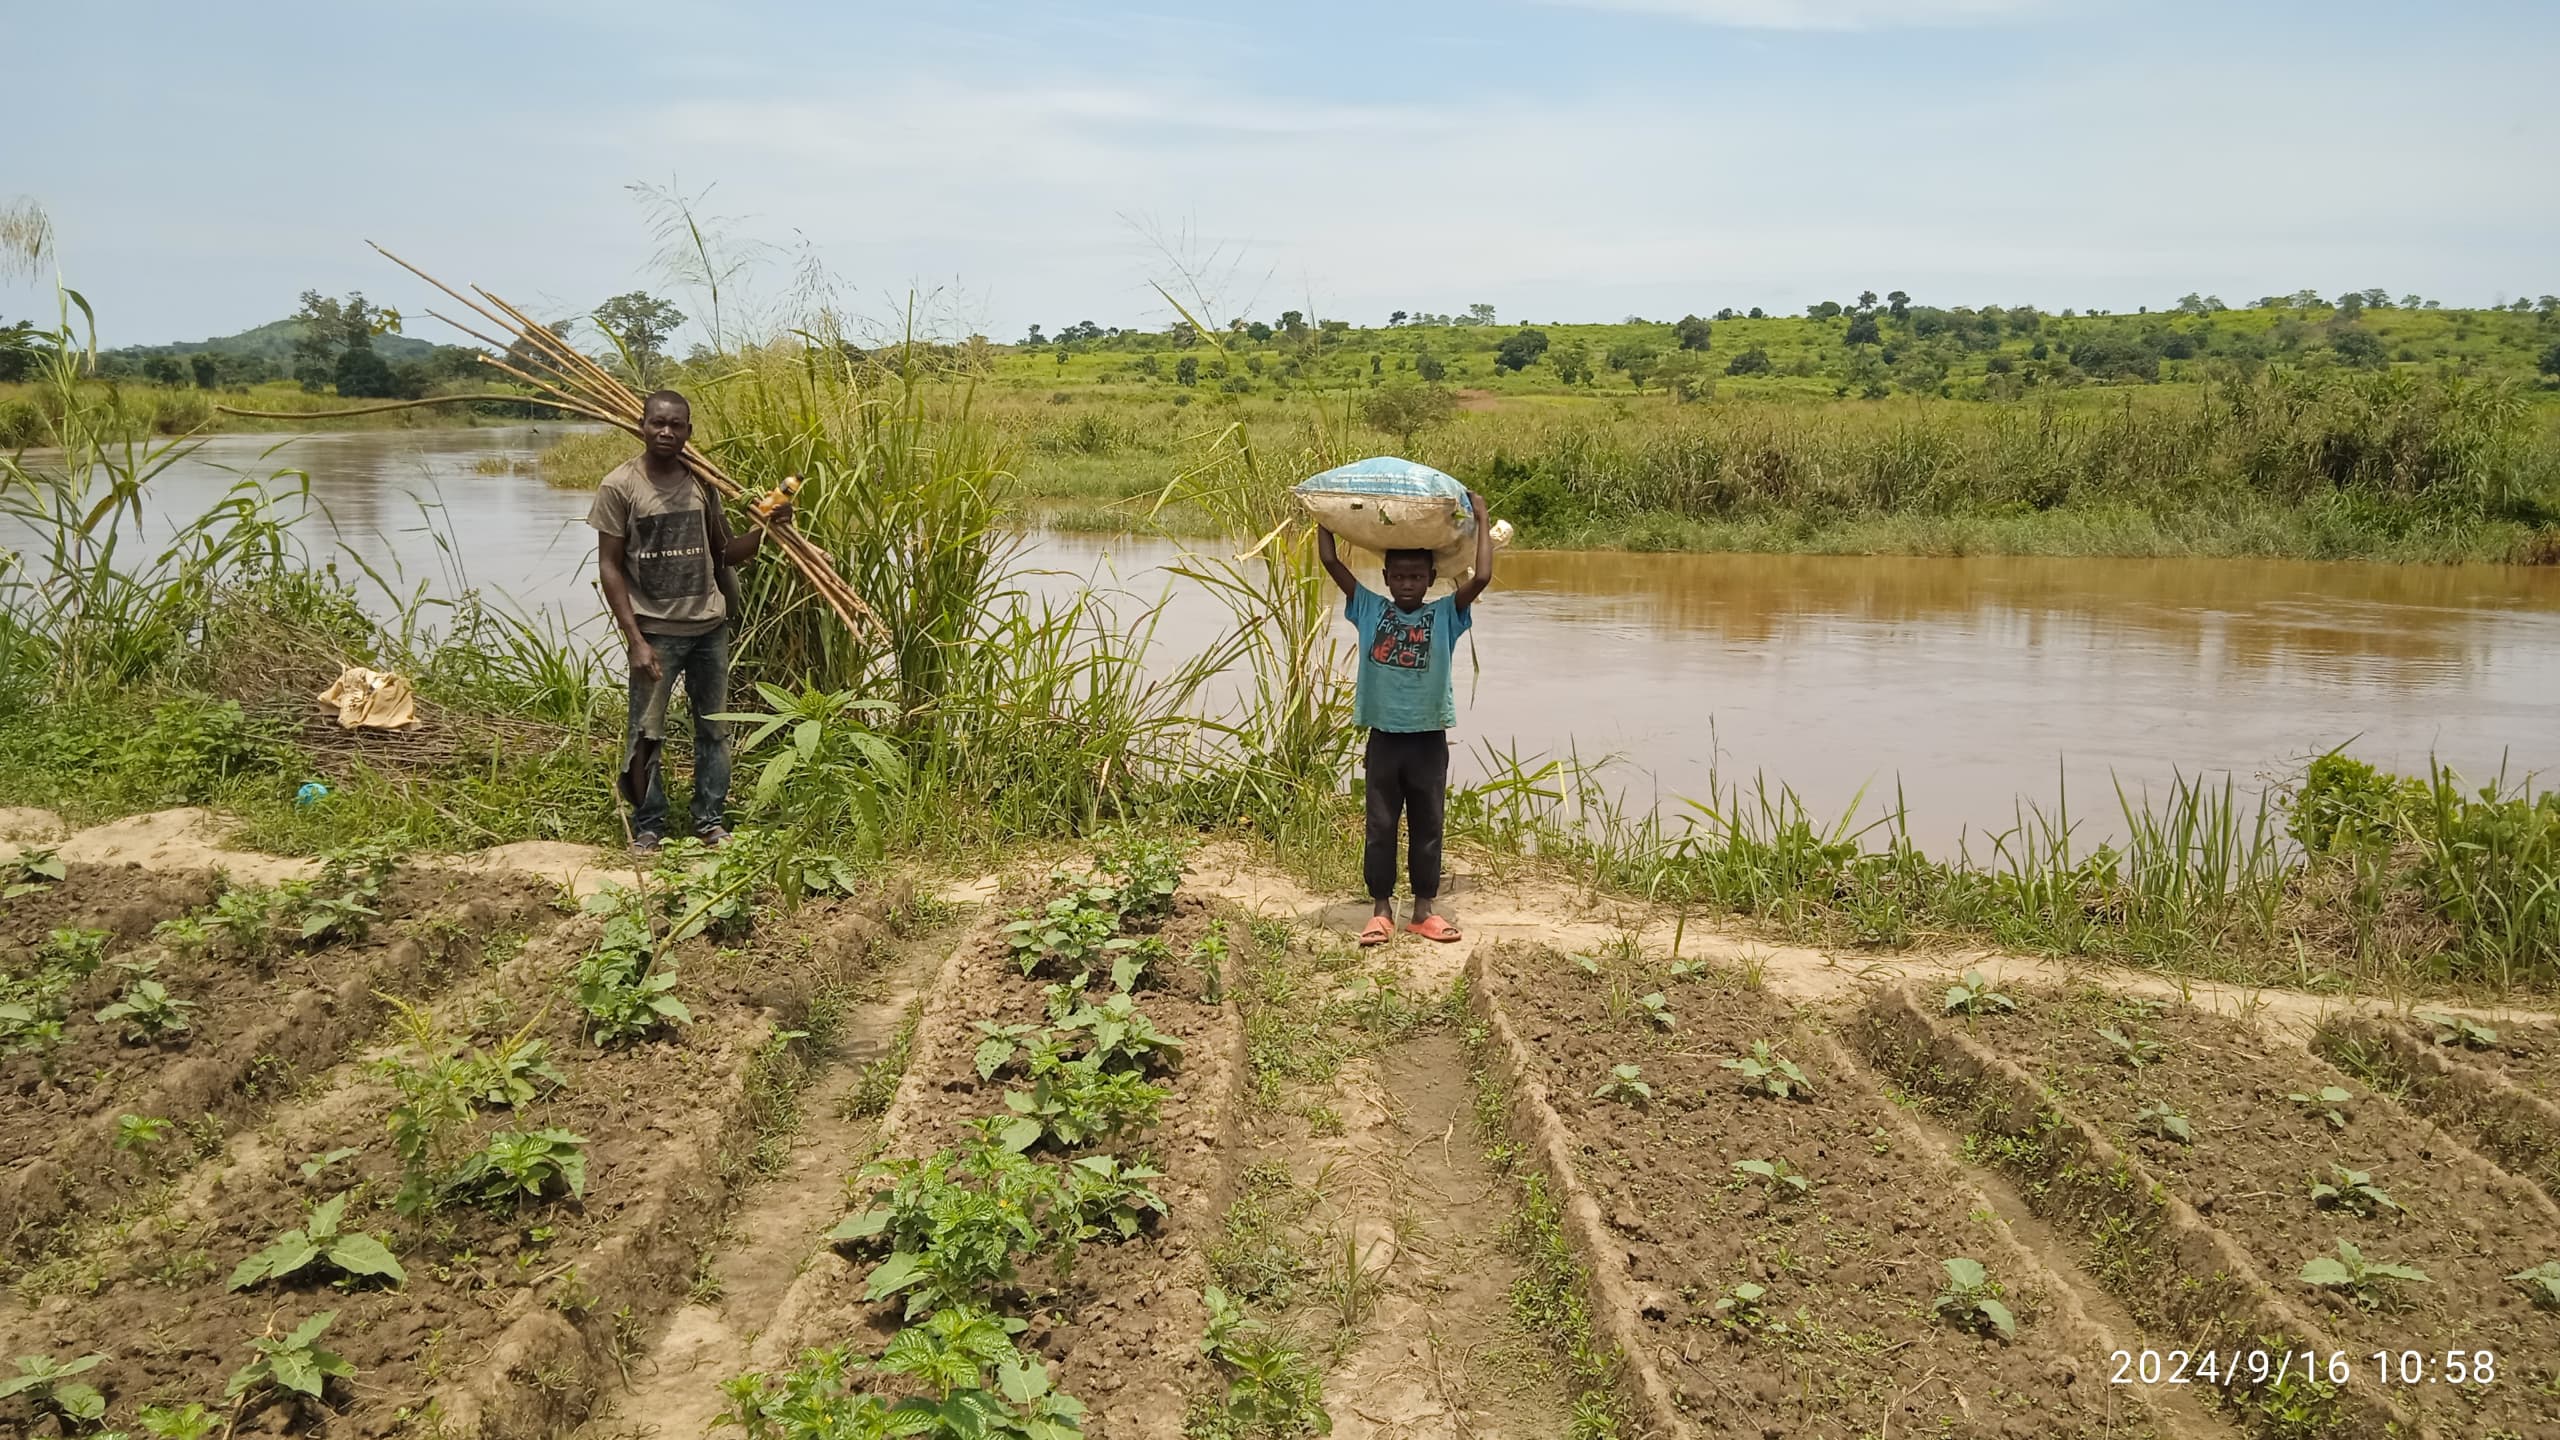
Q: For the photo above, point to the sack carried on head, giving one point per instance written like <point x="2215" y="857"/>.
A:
<point x="1384" y="503"/>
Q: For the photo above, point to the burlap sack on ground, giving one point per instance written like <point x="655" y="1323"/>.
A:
<point x="372" y="700"/>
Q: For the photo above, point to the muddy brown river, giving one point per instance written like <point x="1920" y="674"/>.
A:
<point x="1974" y="685"/>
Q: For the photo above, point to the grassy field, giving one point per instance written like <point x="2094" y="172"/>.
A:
<point x="2391" y="433"/>
<point x="2255" y="434"/>
<point x="30" y="412"/>
<point x="1956" y="354"/>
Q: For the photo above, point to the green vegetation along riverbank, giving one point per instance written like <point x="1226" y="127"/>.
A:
<point x="2365" y="427"/>
<point x="2312" y="464"/>
<point x="136" y="675"/>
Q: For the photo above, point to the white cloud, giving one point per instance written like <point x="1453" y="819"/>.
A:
<point x="1821" y="14"/>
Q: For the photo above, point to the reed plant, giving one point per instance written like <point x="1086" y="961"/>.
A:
<point x="2455" y="886"/>
<point x="2324" y="463"/>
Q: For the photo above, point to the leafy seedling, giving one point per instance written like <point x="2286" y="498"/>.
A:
<point x="1688" y="969"/>
<point x="1118" y="1036"/>
<point x="312" y="1167"/>
<point x="352" y="1252"/>
<point x="623" y="985"/>
<point x="51" y="1386"/>
<point x="1069" y="934"/>
<point x="514" y="1074"/>
<point x="1739" y="1310"/>
<point x="293" y="1363"/>
<point x="2369" y="1282"/>
<point x="1625" y="1085"/>
<point x="137" y="1133"/>
<point x="955" y="1224"/>
<point x="1777" y="1175"/>
<point x="527" y="1164"/>
<point x="1274" y="1389"/>
<point x="1975" y="996"/>
<point x="1209" y="955"/>
<point x="148" y="1011"/>
<point x="190" y="1421"/>
<point x="2329" y="1104"/>
<point x="2542" y="1282"/>
<point x="1131" y="965"/>
<point x="1657" y="1009"/>
<point x="2161" y="1122"/>
<point x="1587" y="964"/>
<point x="1971" y="1300"/>
<point x="1768" y="1074"/>
<point x="31" y="870"/>
<point x="1080" y="1102"/>
<point x="2352" y="1191"/>
<point x="1149" y="871"/>
<point x="1108" y="1196"/>
<point x="1003" y="1042"/>
<point x="2130" y="1050"/>
<point x="2459" y="1030"/>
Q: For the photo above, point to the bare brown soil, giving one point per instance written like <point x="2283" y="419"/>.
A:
<point x="512" y="1315"/>
<point x="261" y="1025"/>
<point x="2255" y="1155"/>
<point x="2526" y="1054"/>
<point x="124" y="900"/>
<point x="1845" y="1341"/>
<point x="2511" y="1111"/>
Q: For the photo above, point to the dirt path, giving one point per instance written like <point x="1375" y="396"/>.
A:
<point x="673" y="1386"/>
<point x="1425" y="1215"/>
<point x="1492" y="908"/>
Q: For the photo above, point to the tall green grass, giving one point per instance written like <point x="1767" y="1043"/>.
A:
<point x="2323" y="463"/>
<point x="2346" y="877"/>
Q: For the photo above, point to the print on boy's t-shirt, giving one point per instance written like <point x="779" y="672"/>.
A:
<point x="1403" y="684"/>
<point x="666" y="554"/>
<point x="1403" y="640"/>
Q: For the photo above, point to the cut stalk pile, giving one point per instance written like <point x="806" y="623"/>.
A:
<point x="564" y="378"/>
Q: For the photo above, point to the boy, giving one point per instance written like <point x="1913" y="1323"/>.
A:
<point x="663" y="552"/>
<point x="1403" y="698"/>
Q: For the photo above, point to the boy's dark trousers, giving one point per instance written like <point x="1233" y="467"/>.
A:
<point x="1408" y="775"/>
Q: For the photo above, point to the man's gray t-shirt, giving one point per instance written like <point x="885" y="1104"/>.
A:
<point x="666" y="537"/>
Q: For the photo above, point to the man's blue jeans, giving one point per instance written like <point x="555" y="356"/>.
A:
<point x="702" y="661"/>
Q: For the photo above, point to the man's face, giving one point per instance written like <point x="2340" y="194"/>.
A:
<point x="1406" y="580"/>
<point x="664" y="429"/>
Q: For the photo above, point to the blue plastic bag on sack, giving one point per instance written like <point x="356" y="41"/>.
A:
<point x="1386" y="503"/>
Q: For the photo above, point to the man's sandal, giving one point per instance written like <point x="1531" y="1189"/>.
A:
<point x="1379" y="931"/>
<point x="1435" y="927"/>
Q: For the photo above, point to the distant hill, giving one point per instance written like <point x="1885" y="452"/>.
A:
<point x="273" y="341"/>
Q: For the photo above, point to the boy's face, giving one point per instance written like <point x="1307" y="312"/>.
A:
<point x="1407" y="579"/>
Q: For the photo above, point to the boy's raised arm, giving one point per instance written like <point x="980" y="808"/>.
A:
<point x="1482" y="576"/>
<point x="1333" y="565"/>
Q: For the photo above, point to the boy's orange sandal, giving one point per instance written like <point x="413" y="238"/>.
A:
<point x="1435" y="927"/>
<point x="1379" y="931"/>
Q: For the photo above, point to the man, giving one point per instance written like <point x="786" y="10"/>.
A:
<point x="663" y="552"/>
<point x="1404" y="698"/>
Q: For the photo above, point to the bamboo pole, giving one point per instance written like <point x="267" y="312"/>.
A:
<point x="576" y="384"/>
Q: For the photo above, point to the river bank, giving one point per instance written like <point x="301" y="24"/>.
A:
<point x="167" y="652"/>
<point x="2397" y="468"/>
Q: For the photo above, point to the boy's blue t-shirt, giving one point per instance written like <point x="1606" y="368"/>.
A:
<point x="1403" y="685"/>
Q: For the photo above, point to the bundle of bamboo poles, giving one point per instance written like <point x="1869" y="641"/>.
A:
<point x="564" y="378"/>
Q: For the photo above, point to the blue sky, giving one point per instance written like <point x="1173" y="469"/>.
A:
<point x="1560" y="159"/>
